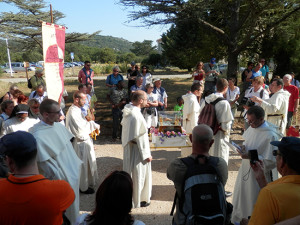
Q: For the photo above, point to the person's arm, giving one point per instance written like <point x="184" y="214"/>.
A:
<point x="249" y="75"/>
<point x="258" y="170"/>
<point x="296" y="102"/>
<point x="80" y="77"/>
<point x="166" y="102"/>
<point x="292" y="221"/>
<point x="153" y="104"/>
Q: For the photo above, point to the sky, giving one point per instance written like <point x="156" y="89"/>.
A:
<point x="89" y="16"/>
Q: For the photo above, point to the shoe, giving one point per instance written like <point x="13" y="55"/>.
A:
<point x="89" y="191"/>
<point x="228" y="194"/>
<point x="144" y="204"/>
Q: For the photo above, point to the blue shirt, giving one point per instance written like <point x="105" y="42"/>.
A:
<point x="136" y="88"/>
<point x="112" y="80"/>
<point x="264" y="70"/>
<point x="255" y="74"/>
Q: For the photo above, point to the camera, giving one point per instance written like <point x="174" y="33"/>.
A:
<point x="247" y="101"/>
<point x="253" y="155"/>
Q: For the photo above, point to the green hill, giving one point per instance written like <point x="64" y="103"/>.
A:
<point x="118" y="44"/>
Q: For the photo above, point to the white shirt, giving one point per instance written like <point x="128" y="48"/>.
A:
<point x="37" y="97"/>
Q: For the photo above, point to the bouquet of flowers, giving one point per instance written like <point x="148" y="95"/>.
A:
<point x="167" y="134"/>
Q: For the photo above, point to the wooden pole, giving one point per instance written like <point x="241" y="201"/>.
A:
<point x="51" y="14"/>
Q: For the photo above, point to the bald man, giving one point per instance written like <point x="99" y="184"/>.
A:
<point x="202" y="140"/>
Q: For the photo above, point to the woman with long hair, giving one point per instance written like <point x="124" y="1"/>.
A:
<point x="199" y="73"/>
<point x="147" y="77"/>
<point x="113" y="202"/>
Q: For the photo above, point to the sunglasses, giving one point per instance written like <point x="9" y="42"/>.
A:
<point x="276" y="153"/>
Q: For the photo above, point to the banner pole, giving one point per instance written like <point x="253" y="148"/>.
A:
<point x="51" y="14"/>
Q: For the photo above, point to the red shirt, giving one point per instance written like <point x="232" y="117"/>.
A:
<point x="199" y="76"/>
<point x="294" y="96"/>
<point x="81" y="74"/>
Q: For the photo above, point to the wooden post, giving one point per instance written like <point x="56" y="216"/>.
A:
<point x="51" y="14"/>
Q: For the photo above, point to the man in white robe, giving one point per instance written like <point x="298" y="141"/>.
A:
<point x="137" y="155"/>
<point x="276" y="107"/>
<point x="83" y="143"/>
<point x="56" y="156"/>
<point x="224" y="117"/>
<point x="258" y="136"/>
<point x="18" y="121"/>
<point x="191" y="108"/>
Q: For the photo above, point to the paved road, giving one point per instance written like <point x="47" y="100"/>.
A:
<point x="17" y="80"/>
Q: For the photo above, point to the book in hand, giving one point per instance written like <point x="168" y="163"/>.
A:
<point x="234" y="147"/>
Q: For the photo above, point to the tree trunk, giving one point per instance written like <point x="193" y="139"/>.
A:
<point x="233" y="64"/>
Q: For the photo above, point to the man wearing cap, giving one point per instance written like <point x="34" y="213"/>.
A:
<point x="257" y="137"/>
<point x="161" y="94"/>
<point x="26" y="196"/>
<point x="37" y="79"/>
<point x="18" y="120"/>
<point x="86" y="74"/>
<point x="211" y="73"/>
<point x="279" y="200"/>
<point x="83" y="143"/>
<point x="56" y="157"/>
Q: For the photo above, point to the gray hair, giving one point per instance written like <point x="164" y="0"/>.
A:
<point x="288" y="76"/>
<point x="32" y="102"/>
<point x="202" y="133"/>
<point x="116" y="68"/>
<point x="40" y="86"/>
<point x="38" y="71"/>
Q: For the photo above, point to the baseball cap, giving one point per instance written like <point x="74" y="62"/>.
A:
<point x="156" y="79"/>
<point x="21" y="108"/>
<point x="213" y="61"/>
<point x="17" y="143"/>
<point x="132" y="63"/>
<point x="288" y="143"/>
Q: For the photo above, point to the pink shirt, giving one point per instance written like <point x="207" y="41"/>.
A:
<point x="83" y="78"/>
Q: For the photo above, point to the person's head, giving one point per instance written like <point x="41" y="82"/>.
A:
<point x="132" y="64"/>
<point x="257" y="82"/>
<point x="149" y="87"/>
<point x="199" y="65"/>
<point x="258" y="67"/>
<point x="145" y="69"/>
<point x="82" y="88"/>
<point x="287" y="79"/>
<point x="50" y="111"/>
<point x="276" y="85"/>
<point x="7" y="107"/>
<point x="255" y="116"/>
<point x="139" y="98"/>
<point x="222" y="85"/>
<point x="202" y="139"/>
<point x="87" y="65"/>
<point x="180" y="101"/>
<point x="212" y="61"/>
<point x="250" y="65"/>
<point x="120" y="84"/>
<point x="196" y="89"/>
<point x="12" y="88"/>
<point x="16" y="93"/>
<point x="20" y="111"/>
<point x="23" y="99"/>
<point x="19" y="149"/>
<point x="139" y="81"/>
<point x="293" y="75"/>
<point x="287" y="155"/>
<point x="262" y="61"/>
<point x="34" y="105"/>
<point x="79" y="99"/>
<point x="231" y="81"/>
<point x="40" y="89"/>
<point x="137" y="67"/>
<point x="116" y="70"/>
<point x="39" y="72"/>
<point x="114" y="200"/>
<point x="89" y="88"/>
<point x="157" y="82"/>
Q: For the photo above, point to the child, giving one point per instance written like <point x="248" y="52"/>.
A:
<point x="179" y="106"/>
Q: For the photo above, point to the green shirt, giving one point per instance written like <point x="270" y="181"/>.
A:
<point x="179" y="108"/>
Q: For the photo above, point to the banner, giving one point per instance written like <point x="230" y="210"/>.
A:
<point x="54" y="52"/>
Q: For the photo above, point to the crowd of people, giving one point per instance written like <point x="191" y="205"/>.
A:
<point x="32" y="160"/>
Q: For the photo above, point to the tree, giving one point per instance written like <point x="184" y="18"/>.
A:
<point x="237" y="23"/>
<point x="25" y="27"/>
<point x="143" y="48"/>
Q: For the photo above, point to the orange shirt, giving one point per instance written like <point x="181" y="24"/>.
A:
<point x="34" y="200"/>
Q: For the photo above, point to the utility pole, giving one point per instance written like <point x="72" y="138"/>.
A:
<point x="8" y="55"/>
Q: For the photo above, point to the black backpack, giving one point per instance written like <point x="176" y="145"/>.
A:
<point x="208" y="115"/>
<point x="29" y="85"/>
<point x="203" y="198"/>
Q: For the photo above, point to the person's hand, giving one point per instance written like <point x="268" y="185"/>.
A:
<point x="123" y="102"/>
<point x="256" y="99"/>
<point x="160" y="103"/>
<point x="166" y="105"/>
<point x="149" y="159"/>
<point x="245" y="107"/>
<point x="244" y="221"/>
<point x="295" y="112"/>
<point x="258" y="169"/>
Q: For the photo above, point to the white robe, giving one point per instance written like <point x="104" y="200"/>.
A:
<point x="83" y="145"/>
<point x="277" y="104"/>
<point x="224" y="117"/>
<point x="135" y="155"/>
<point x="246" y="188"/>
<point x="57" y="159"/>
<point x="191" y="111"/>
<point x="14" y="124"/>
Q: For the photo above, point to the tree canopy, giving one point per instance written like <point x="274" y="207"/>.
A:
<point x="239" y="24"/>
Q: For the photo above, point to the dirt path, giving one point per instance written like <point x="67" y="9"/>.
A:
<point x="109" y="158"/>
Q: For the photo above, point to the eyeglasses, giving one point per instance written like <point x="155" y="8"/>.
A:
<point x="276" y="153"/>
<point x="116" y="71"/>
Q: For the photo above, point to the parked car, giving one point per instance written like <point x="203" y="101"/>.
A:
<point x="17" y="67"/>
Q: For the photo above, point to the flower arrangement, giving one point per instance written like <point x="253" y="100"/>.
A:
<point x="168" y="134"/>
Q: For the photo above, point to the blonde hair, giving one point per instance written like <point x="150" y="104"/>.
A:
<point x="259" y="80"/>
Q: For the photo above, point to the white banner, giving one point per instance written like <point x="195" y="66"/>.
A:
<point x="54" y="52"/>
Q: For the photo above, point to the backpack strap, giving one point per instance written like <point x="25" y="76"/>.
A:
<point x="34" y="94"/>
<point x="261" y="94"/>
<point x="217" y="100"/>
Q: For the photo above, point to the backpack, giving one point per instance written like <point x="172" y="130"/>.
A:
<point x="208" y="115"/>
<point x="203" y="198"/>
<point x="29" y="85"/>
